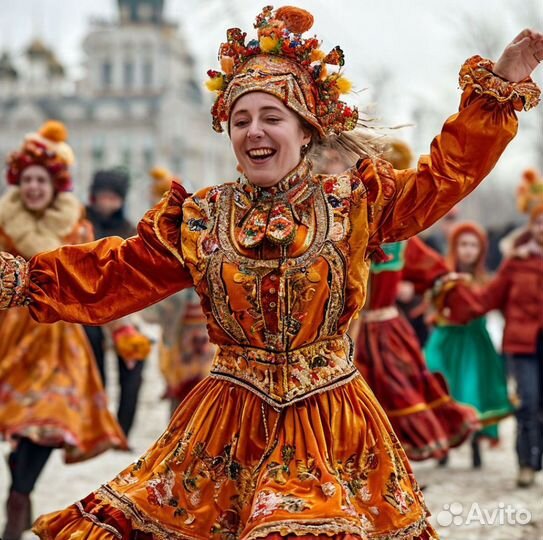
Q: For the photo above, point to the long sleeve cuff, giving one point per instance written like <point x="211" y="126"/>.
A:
<point x="13" y="281"/>
<point x="477" y="72"/>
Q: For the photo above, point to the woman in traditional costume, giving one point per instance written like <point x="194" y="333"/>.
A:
<point x="425" y="418"/>
<point x="517" y="291"/>
<point x="50" y="390"/>
<point x="464" y="354"/>
<point x="284" y="438"/>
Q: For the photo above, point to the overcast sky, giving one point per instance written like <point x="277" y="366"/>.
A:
<point x="411" y="35"/>
<point x="421" y="43"/>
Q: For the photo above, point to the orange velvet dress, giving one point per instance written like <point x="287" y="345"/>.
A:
<point x="50" y="389"/>
<point x="284" y="437"/>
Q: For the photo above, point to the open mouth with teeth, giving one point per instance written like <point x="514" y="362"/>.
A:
<point x="261" y="154"/>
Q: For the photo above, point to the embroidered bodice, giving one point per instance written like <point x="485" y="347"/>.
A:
<point x="281" y="293"/>
<point x="280" y="272"/>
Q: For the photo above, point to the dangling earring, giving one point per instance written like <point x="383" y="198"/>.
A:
<point x="304" y="149"/>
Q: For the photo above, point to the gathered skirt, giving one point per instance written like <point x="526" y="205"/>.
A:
<point x="426" y="419"/>
<point x="50" y="388"/>
<point x="231" y="467"/>
<point x="475" y="372"/>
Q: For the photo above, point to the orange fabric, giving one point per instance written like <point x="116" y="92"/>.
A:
<point x="191" y="488"/>
<point x="104" y="280"/>
<point x="50" y="388"/>
<point x="186" y="352"/>
<point x="229" y="463"/>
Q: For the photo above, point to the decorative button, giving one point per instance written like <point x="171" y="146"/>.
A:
<point x="272" y="290"/>
<point x="273" y="304"/>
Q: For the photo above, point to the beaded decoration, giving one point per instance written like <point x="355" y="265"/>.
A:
<point x="283" y="63"/>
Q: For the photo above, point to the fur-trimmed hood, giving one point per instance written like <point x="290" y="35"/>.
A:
<point x="31" y="233"/>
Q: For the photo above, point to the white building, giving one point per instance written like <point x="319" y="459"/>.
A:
<point x="139" y="104"/>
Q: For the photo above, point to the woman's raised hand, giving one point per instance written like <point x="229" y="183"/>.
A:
<point x="521" y="57"/>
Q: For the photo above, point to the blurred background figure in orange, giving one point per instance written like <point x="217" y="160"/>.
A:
<point x="51" y="395"/>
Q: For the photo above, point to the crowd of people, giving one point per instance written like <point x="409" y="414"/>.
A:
<point x="295" y="304"/>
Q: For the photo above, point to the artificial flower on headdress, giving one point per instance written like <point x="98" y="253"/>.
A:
<point x="47" y="148"/>
<point x="283" y="63"/>
<point x="530" y="191"/>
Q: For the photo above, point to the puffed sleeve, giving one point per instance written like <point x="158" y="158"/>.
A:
<point x="102" y="281"/>
<point x="403" y="203"/>
<point x="465" y="303"/>
<point x="423" y="266"/>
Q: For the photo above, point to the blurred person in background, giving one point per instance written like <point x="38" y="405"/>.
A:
<point x="464" y="354"/>
<point x="185" y="350"/>
<point x="387" y="353"/>
<point x="517" y="291"/>
<point x="51" y="395"/>
<point x="106" y="212"/>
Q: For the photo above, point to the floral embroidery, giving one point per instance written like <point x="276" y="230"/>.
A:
<point x="273" y="215"/>
<point x="477" y="72"/>
<point x="268" y="502"/>
<point x="281" y="471"/>
<point x="14" y="281"/>
<point x="160" y="489"/>
<point x="227" y="525"/>
<point x="396" y="495"/>
<point x="281" y="379"/>
<point x="329" y="489"/>
<point x="354" y="477"/>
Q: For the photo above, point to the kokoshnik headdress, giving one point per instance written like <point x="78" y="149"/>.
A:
<point x="286" y="65"/>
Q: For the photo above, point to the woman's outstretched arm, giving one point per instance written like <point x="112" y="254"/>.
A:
<point x="469" y="145"/>
<point x="102" y="281"/>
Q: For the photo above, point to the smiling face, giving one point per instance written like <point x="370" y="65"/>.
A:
<point x="267" y="138"/>
<point x="36" y="188"/>
<point x="468" y="250"/>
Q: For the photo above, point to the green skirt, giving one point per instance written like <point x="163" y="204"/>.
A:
<point x="475" y="372"/>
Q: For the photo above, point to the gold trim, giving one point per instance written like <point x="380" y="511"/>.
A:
<point x="338" y="526"/>
<point x="97" y="522"/>
<point x="282" y="378"/>
<point x="139" y="519"/>
<point x="477" y="72"/>
<point x="277" y="405"/>
<point x="167" y="245"/>
<point x="219" y="300"/>
<point x="419" y="407"/>
<point x="336" y="300"/>
<point x="14" y="281"/>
